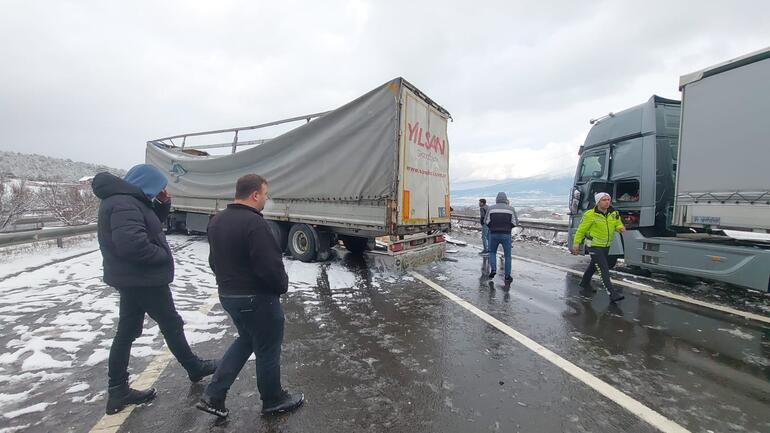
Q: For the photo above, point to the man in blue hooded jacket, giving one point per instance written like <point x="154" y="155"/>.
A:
<point x="138" y="262"/>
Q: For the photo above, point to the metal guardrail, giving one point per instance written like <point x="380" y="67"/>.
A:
<point x="7" y="239"/>
<point x="58" y="233"/>
<point x="528" y="223"/>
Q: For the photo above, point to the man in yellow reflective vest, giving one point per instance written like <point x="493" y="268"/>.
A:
<point x="598" y="228"/>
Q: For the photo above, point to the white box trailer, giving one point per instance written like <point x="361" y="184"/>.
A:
<point x="377" y="166"/>
<point x="722" y="178"/>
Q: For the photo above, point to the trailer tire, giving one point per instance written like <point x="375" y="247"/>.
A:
<point x="355" y="244"/>
<point x="612" y="261"/>
<point x="176" y="223"/>
<point x="325" y="242"/>
<point x="302" y="241"/>
<point x="280" y="233"/>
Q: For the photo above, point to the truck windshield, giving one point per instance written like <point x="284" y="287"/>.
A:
<point x="592" y="166"/>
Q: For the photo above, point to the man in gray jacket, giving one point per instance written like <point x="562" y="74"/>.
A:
<point x="501" y="219"/>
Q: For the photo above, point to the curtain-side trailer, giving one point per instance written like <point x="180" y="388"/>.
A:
<point x="377" y="166"/>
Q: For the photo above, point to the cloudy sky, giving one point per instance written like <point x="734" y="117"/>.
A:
<point x="94" y="80"/>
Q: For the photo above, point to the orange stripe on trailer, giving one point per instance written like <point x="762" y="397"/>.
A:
<point x="405" y="206"/>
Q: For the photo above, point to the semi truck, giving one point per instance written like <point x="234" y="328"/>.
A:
<point x="690" y="180"/>
<point x="372" y="172"/>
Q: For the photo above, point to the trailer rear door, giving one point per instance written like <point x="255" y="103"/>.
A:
<point x="423" y="164"/>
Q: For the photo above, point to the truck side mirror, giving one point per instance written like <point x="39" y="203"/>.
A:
<point x="574" y="202"/>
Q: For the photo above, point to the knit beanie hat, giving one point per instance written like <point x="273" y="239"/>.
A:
<point x="600" y="195"/>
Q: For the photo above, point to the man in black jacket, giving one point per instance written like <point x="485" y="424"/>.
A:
<point x="248" y="265"/>
<point x="137" y="261"/>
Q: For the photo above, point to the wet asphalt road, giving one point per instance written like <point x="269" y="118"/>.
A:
<point x="375" y="351"/>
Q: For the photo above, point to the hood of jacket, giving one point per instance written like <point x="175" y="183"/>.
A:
<point x="107" y="184"/>
<point x="501" y="198"/>
<point x="148" y="178"/>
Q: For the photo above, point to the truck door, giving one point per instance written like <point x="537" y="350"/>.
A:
<point x="424" y="163"/>
<point x="592" y="177"/>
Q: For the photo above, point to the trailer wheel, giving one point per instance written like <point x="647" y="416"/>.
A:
<point x="325" y="242"/>
<point x="280" y="233"/>
<point x="176" y="223"/>
<point x="612" y="261"/>
<point x="302" y="242"/>
<point x="355" y="244"/>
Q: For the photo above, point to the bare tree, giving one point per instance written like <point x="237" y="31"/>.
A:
<point x="70" y="204"/>
<point x="15" y="199"/>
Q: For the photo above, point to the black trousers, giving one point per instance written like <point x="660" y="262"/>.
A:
<point x="599" y="263"/>
<point x="159" y="305"/>
<point x="259" y="320"/>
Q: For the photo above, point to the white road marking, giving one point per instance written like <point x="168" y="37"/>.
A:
<point x="644" y="288"/>
<point x="635" y="407"/>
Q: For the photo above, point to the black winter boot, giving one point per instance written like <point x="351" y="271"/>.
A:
<point x="202" y="368"/>
<point x="587" y="286"/>
<point x="120" y="396"/>
<point x="286" y="403"/>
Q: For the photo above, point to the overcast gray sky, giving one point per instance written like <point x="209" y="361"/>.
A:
<point x="94" y="80"/>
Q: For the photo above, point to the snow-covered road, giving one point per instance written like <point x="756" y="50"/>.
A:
<point x="57" y="320"/>
<point x="380" y="351"/>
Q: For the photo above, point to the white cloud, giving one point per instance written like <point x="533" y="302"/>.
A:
<point x="553" y="159"/>
<point x="93" y="81"/>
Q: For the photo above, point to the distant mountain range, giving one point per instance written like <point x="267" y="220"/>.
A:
<point x="527" y="188"/>
<point x="45" y="168"/>
<point x="533" y="190"/>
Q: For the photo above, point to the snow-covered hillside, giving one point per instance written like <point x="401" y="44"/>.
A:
<point x="38" y="167"/>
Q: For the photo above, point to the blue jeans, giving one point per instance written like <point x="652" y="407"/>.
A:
<point x="259" y="320"/>
<point x="496" y="239"/>
<point x="485" y="237"/>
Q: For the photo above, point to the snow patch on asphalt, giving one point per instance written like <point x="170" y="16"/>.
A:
<point x="20" y="257"/>
<point x="12" y="398"/>
<point x="31" y="409"/>
<point x="737" y="333"/>
<point x="80" y="386"/>
<point x="14" y="429"/>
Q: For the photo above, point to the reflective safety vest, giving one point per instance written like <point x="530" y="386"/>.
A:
<point x="598" y="227"/>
